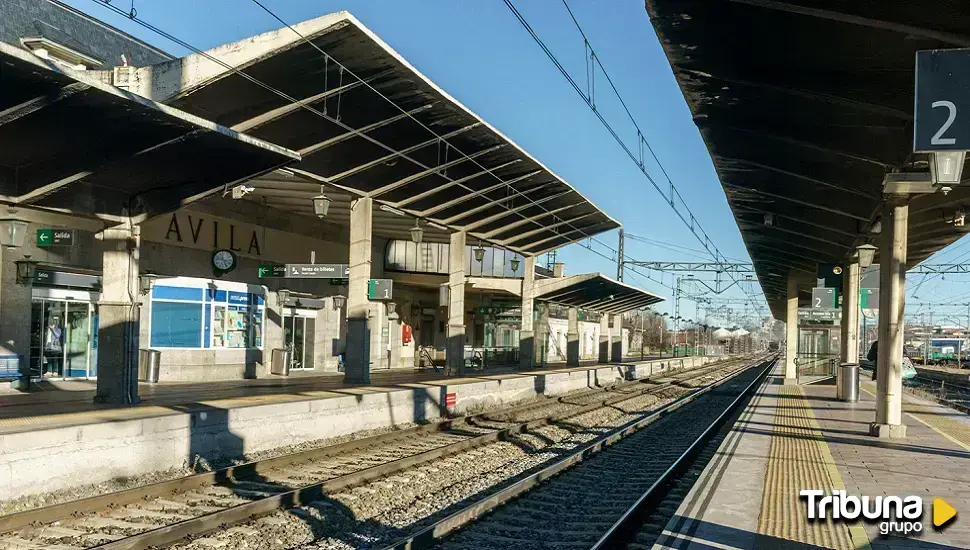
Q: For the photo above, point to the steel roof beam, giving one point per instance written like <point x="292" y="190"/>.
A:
<point x="524" y="236"/>
<point x="565" y="235"/>
<point x="21" y="110"/>
<point x="280" y="112"/>
<point x="471" y="195"/>
<point x="531" y="219"/>
<point x="873" y="108"/>
<point x="485" y="221"/>
<point x="414" y="177"/>
<point x="950" y="38"/>
<point x="750" y="210"/>
<point x="410" y="149"/>
<point x="357" y="132"/>
<point x="805" y="145"/>
<point x="762" y="227"/>
<point x="796" y="201"/>
<point x="452" y="183"/>
<point x="792" y="175"/>
<point x="49" y="188"/>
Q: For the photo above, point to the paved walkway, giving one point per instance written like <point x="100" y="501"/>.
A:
<point x="792" y="438"/>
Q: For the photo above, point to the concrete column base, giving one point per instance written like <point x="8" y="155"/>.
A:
<point x="455" y="355"/>
<point x="617" y="352"/>
<point x="572" y="349"/>
<point x="887" y="431"/>
<point x="791" y="381"/>
<point x="118" y="344"/>
<point x="357" y="356"/>
<point x="527" y="349"/>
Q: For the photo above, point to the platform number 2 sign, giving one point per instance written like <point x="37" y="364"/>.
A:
<point x="942" y="101"/>
<point x="938" y="138"/>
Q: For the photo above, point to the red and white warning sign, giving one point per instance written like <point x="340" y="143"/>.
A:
<point x="451" y="399"/>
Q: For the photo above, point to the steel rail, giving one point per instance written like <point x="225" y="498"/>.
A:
<point x="72" y="508"/>
<point x="64" y="510"/>
<point x="433" y="534"/>
<point x="626" y="527"/>
<point x="210" y="522"/>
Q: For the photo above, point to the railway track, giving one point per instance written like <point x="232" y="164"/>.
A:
<point x="163" y="513"/>
<point x="599" y="495"/>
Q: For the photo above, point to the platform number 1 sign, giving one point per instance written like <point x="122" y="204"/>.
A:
<point x="380" y="289"/>
<point x="942" y="117"/>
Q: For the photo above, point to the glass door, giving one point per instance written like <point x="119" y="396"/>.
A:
<point x="294" y="334"/>
<point x="52" y="359"/>
<point x="63" y="338"/>
<point x="77" y="340"/>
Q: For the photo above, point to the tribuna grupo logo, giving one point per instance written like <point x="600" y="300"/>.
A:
<point x="896" y="515"/>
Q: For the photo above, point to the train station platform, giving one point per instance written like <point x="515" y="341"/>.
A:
<point x="178" y="424"/>
<point x="794" y="438"/>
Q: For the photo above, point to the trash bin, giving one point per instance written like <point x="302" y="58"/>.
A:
<point x="847" y="383"/>
<point x="280" y="362"/>
<point x="149" y="363"/>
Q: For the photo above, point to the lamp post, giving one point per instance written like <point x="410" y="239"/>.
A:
<point x="663" y="321"/>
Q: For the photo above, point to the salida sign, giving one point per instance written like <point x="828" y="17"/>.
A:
<point x="209" y="233"/>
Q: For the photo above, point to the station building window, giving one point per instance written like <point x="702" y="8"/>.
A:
<point x="201" y="314"/>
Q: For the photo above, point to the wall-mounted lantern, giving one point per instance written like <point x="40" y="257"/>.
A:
<point x="13" y="230"/>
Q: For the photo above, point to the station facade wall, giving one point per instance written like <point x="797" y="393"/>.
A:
<point x="50" y="322"/>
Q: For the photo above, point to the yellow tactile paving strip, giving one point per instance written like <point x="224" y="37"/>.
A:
<point x="957" y="432"/>
<point x="800" y="459"/>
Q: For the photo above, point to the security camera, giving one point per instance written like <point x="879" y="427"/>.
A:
<point x="241" y="191"/>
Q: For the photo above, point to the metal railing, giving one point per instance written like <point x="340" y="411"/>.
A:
<point x="816" y="364"/>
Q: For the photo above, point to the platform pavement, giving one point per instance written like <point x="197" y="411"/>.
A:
<point x="791" y="438"/>
<point x="71" y="402"/>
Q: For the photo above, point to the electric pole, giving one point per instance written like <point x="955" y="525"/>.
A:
<point x="619" y="259"/>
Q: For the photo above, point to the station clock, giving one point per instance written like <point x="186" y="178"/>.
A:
<point x="223" y="261"/>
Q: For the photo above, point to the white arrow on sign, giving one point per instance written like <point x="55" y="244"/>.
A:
<point x="43" y="236"/>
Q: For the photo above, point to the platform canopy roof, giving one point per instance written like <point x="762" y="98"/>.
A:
<point x="804" y="107"/>
<point x="369" y="124"/>
<point x="72" y="142"/>
<point x="595" y="292"/>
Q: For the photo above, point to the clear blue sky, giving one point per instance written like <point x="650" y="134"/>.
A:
<point x="480" y="54"/>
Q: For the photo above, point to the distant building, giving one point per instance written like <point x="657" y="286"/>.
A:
<point x="59" y="32"/>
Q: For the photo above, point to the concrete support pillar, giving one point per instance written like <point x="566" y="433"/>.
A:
<point x="616" y="339"/>
<point x="273" y="336"/>
<point x="850" y="314"/>
<point x="118" y="317"/>
<point x="791" y="332"/>
<point x="542" y="334"/>
<point x="455" y="354"/>
<point x="527" y="344"/>
<point x="326" y="338"/>
<point x="358" y="356"/>
<point x="572" y="338"/>
<point x="892" y="286"/>
<point x="604" y="355"/>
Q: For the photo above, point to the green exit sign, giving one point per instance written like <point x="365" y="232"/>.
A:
<point x="55" y="237"/>
<point x="271" y="270"/>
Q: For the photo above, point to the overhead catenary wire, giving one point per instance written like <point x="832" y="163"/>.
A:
<point x="692" y="224"/>
<point x="316" y="112"/>
<point x="333" y="120"/>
